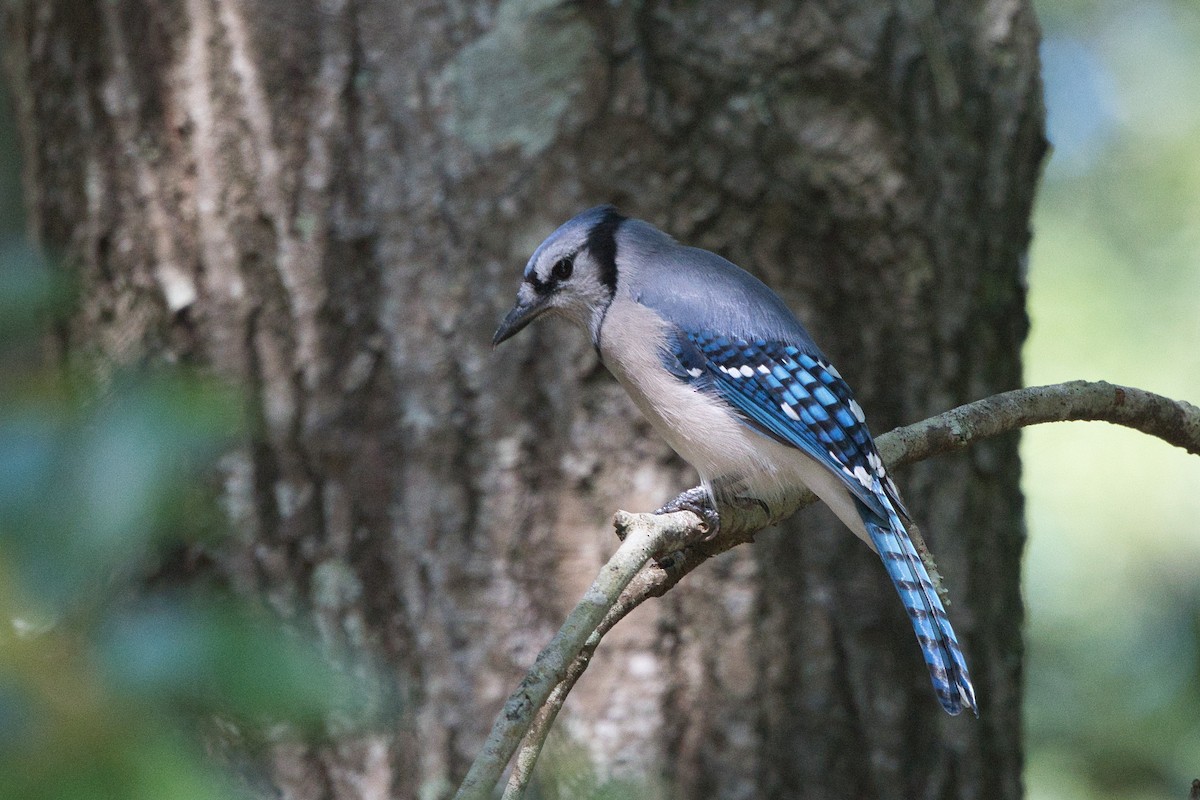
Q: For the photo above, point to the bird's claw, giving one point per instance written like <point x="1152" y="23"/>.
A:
<point x="698" y="502"/>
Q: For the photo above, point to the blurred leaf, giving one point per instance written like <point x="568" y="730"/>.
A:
<point x="87" y="488"/>
<point x="136" y="763"/>
<point x="208" y="656"/>
<point x="105" y="685"/>
<point x="29" y="288"/>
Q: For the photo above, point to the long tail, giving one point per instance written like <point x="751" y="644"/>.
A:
<point x="947" y="667"/>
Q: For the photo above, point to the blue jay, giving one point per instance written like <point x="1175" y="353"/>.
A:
<point x="734" y="383"/>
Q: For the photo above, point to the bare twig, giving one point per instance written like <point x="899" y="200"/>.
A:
<point x="1174" y="421"/>
<point x="645" y="536"/>
<point x="535" y="739"/>
<point x="628" y="582"/>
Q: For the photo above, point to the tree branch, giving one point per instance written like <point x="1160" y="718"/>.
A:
<point x="1174" y="421"/>
<point x="646" y="536"/>
<point x="631" y="577"/>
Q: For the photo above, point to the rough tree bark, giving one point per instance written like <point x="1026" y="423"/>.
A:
<point x="329" y="203"/>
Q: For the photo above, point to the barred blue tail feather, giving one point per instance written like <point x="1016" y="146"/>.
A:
<point x="947" y="666"/>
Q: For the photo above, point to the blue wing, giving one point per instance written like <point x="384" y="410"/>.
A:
<point x="797" y="398"/>
<point x="791" y="395"/>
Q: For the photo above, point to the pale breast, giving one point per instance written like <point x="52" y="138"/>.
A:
<point x="707" y="433"/>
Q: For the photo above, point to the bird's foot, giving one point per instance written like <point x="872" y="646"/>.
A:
<point x="697" y="501"/>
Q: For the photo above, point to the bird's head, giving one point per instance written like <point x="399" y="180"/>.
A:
<point x="573" y="273"/>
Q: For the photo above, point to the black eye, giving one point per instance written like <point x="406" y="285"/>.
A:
<point x="562" y="269"/>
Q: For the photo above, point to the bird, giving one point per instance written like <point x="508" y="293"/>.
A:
<point x="727" y="374"/>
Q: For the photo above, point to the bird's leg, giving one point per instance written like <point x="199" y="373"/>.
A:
<point x="699" y="503"/>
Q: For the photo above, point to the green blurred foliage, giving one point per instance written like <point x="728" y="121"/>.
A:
<point x="566" y="772"/>
<point x="111" y="683"/>
<point x="1113" y="565"/>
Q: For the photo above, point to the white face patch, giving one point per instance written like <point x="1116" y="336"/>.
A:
<point x="857" y="411"/>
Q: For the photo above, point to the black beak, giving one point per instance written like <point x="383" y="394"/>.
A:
<point x="521" y="315"/>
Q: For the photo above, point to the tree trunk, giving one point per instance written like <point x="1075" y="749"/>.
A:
<point x="329" y="203"/>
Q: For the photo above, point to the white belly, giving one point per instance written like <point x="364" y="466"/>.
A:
<point x="708" y="433"/>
